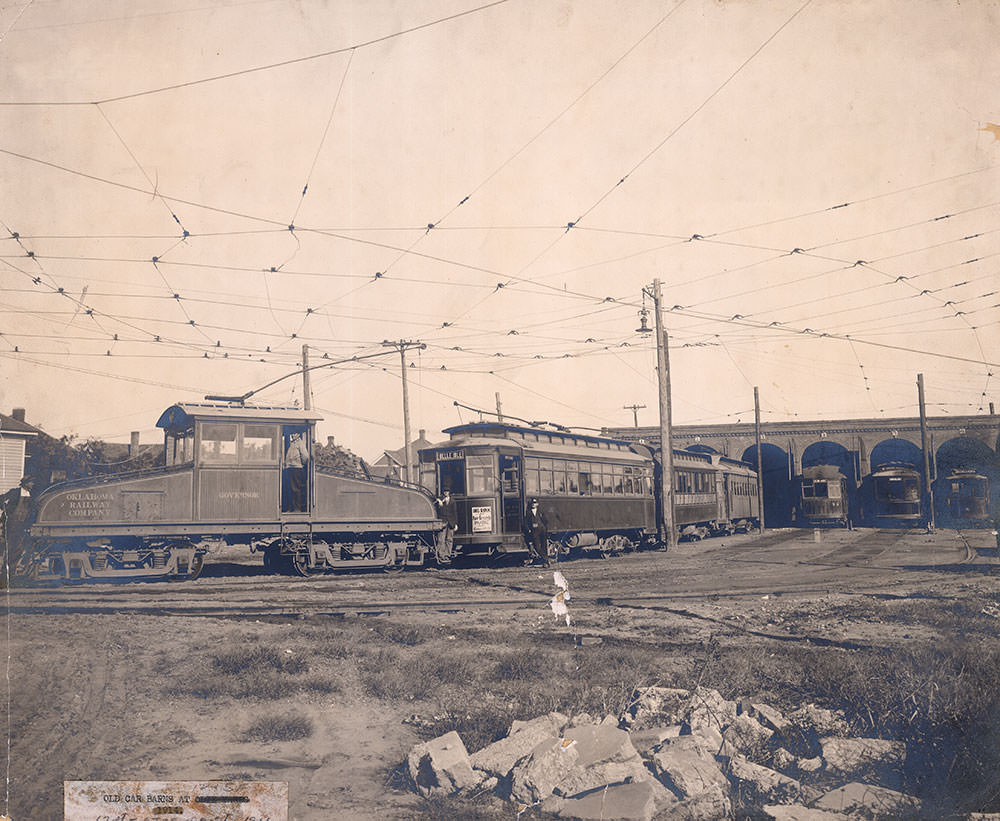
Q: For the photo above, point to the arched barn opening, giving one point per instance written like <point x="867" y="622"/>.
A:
<point x="896" y="452"/>
<point x="777" y="488"/>
<point x="967" y="483"/>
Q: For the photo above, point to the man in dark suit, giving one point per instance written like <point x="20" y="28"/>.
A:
<point x="536" y="533"/>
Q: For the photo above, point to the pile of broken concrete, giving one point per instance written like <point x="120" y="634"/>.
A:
<point x="678" y="754"/>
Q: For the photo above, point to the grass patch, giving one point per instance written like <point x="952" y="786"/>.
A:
<point x="278" y="728"/>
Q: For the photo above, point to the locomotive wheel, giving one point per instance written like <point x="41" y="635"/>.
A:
<point x="299" y="563"/>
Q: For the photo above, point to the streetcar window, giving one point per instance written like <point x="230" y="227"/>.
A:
<point x="559" y="477"/>
<point x="572" y="479"/>
<point x="482" y="477"/>
<point x="619" y="477"/>
<point x="607" y="481"/>
<point x="586" y="488"/>
<point x="218" y="443"/>
<point x="821" y="489"/>
<point x="260" y="443"/>
<point x="510" y="480"/>
<point x="452" y="475"/>
<point x="833" y="490"/>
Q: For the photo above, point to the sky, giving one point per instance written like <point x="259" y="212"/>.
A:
<point x="192" y="191"/>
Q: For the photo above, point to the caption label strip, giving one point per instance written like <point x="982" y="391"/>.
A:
<point x="175" y="800"/>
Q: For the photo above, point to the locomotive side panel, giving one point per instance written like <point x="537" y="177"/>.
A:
<point x="238" y="495"/>
<point x="165" y="497"/>
<point x="344" y="499"/>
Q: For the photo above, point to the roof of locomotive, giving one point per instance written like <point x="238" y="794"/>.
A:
<point x="184" y="413"/>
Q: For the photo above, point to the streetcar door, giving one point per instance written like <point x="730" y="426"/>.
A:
<point x="510" y="493"/>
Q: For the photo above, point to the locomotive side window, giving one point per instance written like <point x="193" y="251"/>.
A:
<point x="260" y="444"/>
<point x="179" y="447"/>
<point x="218" y="443"/>
<point x="452" y="475"/>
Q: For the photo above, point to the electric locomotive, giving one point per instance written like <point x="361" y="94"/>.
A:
<point x="594" y="492"/>
<point x="229" y="476"/>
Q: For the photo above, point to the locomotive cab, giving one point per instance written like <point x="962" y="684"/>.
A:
<point x="248" y="463"/>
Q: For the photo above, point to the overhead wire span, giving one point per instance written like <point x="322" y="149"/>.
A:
<point x="256" y="69"/>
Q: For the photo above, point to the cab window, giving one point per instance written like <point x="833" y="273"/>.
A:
<point x="218" y="443"/>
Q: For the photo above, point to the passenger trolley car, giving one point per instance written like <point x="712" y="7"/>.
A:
<point x="226" y="478"/>
<point x="967" y="498"/>
<point x="897" y="495"/>
<point x="593" y="492"/>
<point x="823" y="497"/>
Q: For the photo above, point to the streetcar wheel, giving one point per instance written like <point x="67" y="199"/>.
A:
<point x="197" y="565"/>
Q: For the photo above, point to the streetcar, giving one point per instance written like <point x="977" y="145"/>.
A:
<point x="594" y="492"/>
<point x="967" y="498"/>
<point x="823" y="497"/>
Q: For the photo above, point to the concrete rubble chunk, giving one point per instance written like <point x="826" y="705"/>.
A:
<point x="585" y="758"/>
<point x="796" y="812"/>
<point x="810" y="765"/>
<point x="824" y="722"/>
<point x="762" y="784"/>
<point x="770" y="717"/>
<point x="710" y="805"/>
<point x="847" y="756"/>
<point x="709" y="711"/>
<point x="500" y="757"/>
<point x="745" y="736"/>
<point x="784" y="761"/>
<point x="555" y="722"/>
<point x="617" y="802"/>
<point x="650" y="737"/>
<point x="441" y="766"/>
<point x="687" y="767"/>
<point x="656" y="705"/>
<point x="878" y="802"/>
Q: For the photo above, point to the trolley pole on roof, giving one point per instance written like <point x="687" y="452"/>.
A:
<point x="760" y="463"/>
<point x="666" y="441"/>
<point x="403" y="346"/>
<point x="928" y="493"/>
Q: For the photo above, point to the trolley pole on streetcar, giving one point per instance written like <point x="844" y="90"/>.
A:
<point x="760" y="464"/>
<point x="403" y="346"/>
<point x="666" y="440"/>
<point x="928" y="493"/>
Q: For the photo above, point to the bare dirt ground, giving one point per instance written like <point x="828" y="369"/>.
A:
<point x="139" y="681"/>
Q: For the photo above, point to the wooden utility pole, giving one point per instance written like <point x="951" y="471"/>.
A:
<point x="760" y="461"/>
<point x="635" y="413"/>
<point x="306" y="387"/>
<point x="499" y="408"/>
<point x="666" y="440"/>
<point x="403" y="346"/>
<point x="928" y="492"/>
